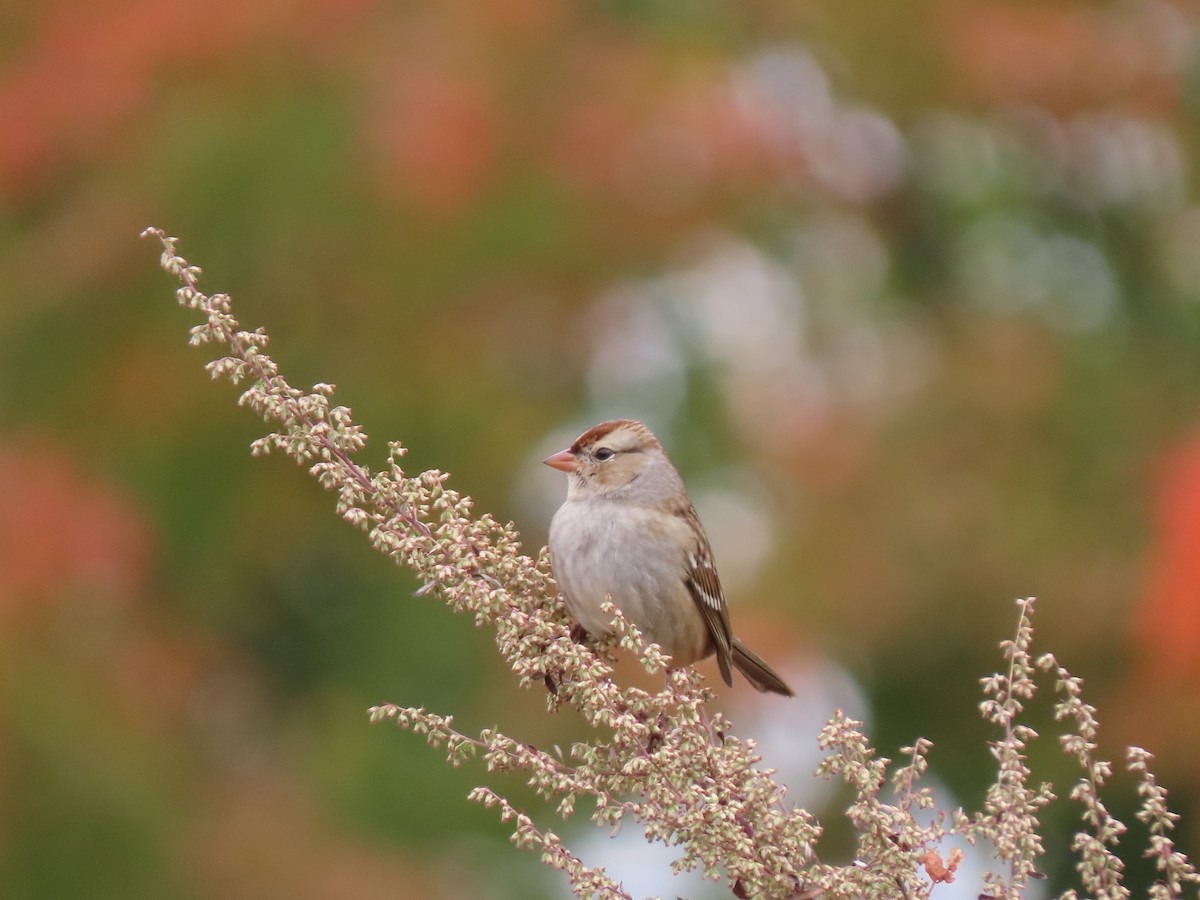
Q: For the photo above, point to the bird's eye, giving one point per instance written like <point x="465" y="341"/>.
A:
<point x="604" y="454"/>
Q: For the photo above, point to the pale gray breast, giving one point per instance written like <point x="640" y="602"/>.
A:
<point x="597" y="554"/>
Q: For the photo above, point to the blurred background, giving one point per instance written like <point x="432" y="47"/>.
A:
<point x="909" y="291"/>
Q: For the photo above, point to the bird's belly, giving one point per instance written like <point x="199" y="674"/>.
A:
<point x="597" y="559"/>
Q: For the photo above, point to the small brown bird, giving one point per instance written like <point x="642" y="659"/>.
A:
<point x="629" y="531"/>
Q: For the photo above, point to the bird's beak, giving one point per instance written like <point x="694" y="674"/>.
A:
<point x="563" y="460"/>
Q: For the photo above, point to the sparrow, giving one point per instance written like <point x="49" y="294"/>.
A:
<point x="628" y="532"/>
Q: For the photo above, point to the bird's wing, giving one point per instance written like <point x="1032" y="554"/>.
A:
<point x="700" y="576"/>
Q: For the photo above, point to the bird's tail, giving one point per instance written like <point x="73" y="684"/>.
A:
<point x="757" y="672"/>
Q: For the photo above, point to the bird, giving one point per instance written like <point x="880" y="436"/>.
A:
<point x="628" y="532"/>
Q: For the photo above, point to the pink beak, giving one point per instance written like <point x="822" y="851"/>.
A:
<point x="563" y="460"/>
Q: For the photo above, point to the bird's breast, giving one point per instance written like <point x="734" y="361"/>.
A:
<point x="605" y="550"/>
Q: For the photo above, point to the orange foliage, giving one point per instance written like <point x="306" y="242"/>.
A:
<point x="60" y="529"/>
<point x="1159" y="700"/>
<point x="662" y="140"/>
<point x="519" y="17"/>
<point x="436" y="135"/>
<point x="1168" y="619"/>
<point x="1062" y="57"/>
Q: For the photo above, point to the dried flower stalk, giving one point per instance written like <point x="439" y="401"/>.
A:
<point x="662" y="759"/>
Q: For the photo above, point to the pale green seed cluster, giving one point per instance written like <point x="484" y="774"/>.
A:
<point x="1009" y="819"/>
